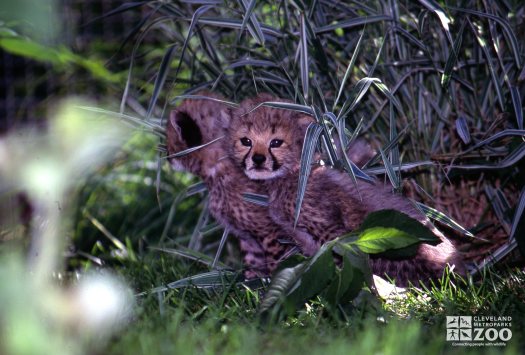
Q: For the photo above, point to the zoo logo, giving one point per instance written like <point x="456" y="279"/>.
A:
<point x="465" y="329"/>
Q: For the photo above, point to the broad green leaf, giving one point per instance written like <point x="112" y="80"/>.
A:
<point x="357" y="281"/>
<point x="395" y="219"/>
<point x="317" y="274"/>
<point x="379" y="239"/>
<point x="281" y="283"/>
<point x="346" y="284"/>
<point x="294" y="285"/>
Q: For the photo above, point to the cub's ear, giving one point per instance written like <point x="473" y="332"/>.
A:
<point x="225" y="117"/>
<point x="186" y="128"/>
<point x="303" y="121"/>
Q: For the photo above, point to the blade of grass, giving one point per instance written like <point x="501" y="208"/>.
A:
<point x="311" y="139"/>
<point x="490" y="61"/>
<point x="221" y="247"/>
<point x="303" y="58"/>
<point x="352" y="23"/>
<point x="436" y="215"/>
<point x="192" y="149"/>
<point x="161" y="78"/>
<point x="349" y="69"/>
<point x="257" y="199"/>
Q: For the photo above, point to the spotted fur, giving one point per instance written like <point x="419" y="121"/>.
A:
<point x="333" y="205"/>
<point x="197" y="121"/>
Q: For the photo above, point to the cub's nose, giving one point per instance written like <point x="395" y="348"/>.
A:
<point x="258" y="159"/>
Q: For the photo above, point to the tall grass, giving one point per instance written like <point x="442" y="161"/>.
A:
<point x="436" y="86"/>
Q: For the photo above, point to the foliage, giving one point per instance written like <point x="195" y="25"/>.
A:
<point x="442" y="70"/>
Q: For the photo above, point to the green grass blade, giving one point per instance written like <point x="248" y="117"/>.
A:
<point x="207" y="280"/>
<point x="257" y="199"/>
<point x="440" y="13"/>
<point x="285" y="106"/>
<point x="224" y="238"/>
<point x="303" y="58"/>
<point x="192" y="149"/>
<point x="349" y="69"/>
<point x="161" y="78"/>
<point x="359" y="21"/>
<point x="496" y="136"/>
<point x="514" y="157"/>
<point x="392" y="176"/>
<point x="462" y="129"/>
<point x="436" y="215"/>
<point x="254" y="27"/>
<point x="506" y="27"/>
<point x="202" y="97"/>
<point x="490" y="61"/>
<point x="452" y="58"/>
<point x="518" y="222"/>
<point x="310" y="142"/>
<point x="134" y="121"/>
<point x="237" y="25"/>
<point x="401" y="167"/>
<point x="518" y="108"/>
<point x="194" y="189"/>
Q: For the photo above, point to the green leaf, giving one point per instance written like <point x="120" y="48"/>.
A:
<point x="56" y="56"/>
<point x="400" y="253"/>
<point x="378" y="239"/>
<point x="356" y="282"/>
<point x="346" y="284"/>
<point x="292" y="286"/>
<point x="318" y="273"/>
<point x="281" y="283"/>
<point x="394" y="219"/>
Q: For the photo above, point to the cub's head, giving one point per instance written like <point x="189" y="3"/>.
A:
<point x="266" y="142"/>
<point x="195" y="122"/>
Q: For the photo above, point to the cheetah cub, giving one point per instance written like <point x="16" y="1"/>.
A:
<point x="198" y="121"/>
<point x="266" y="143"/>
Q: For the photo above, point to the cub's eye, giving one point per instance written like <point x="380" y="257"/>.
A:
<point x="276" y="143"/>
<point x="246" y="142"/>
